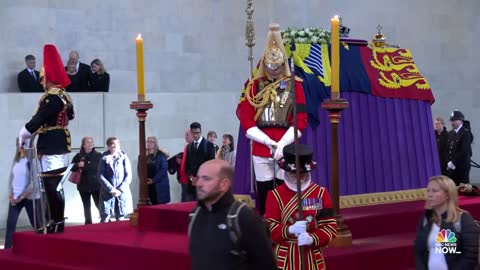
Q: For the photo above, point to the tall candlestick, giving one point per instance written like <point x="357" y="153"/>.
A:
<point x="335" y="50"/>
<point x="140" y="69"/>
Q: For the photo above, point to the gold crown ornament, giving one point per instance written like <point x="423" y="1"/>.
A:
<point x="379" y="39"/>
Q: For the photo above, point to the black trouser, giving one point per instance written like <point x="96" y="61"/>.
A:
<point x="152" y="194"/>
<point x="262" y="190"/>
<point x="55" y="199"/>
<point x="87" y="206"/>
<point x="189" y="192"/>
<point x="460" y="175"/>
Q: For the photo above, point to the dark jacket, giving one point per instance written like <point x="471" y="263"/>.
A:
<point x="27" y="83"/>
<point x="99" y="82"/>
<point x="54" y="107"/>
<point x="89" y="181"/>
<point x="460" y="147"/>
<point x="74" y="85"/>
<point x="211" y="245"/>
<point x="195" y="158"/>
<point x="82" y="84"/>
<point x="442" y="145"/>
<point x="157" y="167"/>
<point x="467" y="242"/>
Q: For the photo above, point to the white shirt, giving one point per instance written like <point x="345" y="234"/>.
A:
<point x="21" y="177"/>
<point x="198" y="142"/>
<point x="435" y="260"/>
<point x="32" y="70"/>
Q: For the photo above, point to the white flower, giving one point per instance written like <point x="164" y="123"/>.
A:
<point x="307" y="35"/>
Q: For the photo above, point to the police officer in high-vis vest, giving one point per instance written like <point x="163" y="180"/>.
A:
<point x="50" y="123"/>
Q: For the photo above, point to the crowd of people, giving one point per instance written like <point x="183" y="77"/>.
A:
<point x="273" y="237"/>
<point x="83" y="77"/>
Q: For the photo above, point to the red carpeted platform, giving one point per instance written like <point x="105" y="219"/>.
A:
<point x="383" y="239"/>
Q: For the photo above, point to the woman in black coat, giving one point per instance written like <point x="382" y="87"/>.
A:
<point x="100" y="79"/>
<point x="87" y="161"/>
<point x="436" y="247"/>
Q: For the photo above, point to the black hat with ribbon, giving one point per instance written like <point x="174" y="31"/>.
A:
<point x="305" y="153"/>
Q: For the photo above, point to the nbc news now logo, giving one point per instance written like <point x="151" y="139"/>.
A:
<point x="446" y="242"/>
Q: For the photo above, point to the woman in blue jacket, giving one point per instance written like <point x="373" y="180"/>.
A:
<point x="157" y="176"/>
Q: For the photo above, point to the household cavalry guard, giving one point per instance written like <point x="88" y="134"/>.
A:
<point x="50" y="123"/>
<point x="265" y="112"/>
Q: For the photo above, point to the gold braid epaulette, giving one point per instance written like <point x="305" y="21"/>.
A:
<point x="264" y="97"/>
<point x="54" y="91"/>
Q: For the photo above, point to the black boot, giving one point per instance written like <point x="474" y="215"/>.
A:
<point x="262" y="191"/>
<point x="56" y="204"/>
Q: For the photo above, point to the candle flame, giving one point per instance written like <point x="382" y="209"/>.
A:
<point x="336" y="17"/>
<point x="139" y="36"/>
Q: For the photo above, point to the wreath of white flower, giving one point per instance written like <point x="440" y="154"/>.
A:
<point x="307" y="35"/>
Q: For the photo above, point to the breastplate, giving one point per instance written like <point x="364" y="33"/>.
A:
<point x="276" y="113"/>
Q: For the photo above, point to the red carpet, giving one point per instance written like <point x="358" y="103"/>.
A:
<point x="383" y="240"/>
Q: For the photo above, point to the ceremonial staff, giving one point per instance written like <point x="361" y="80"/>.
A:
<point x="250" y="37"/>
<point x="295" y="141"/>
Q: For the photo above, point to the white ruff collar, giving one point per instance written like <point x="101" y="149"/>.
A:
<point x="292" y="185"/>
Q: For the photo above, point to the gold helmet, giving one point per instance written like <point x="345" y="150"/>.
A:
<point x="274" y="55"/>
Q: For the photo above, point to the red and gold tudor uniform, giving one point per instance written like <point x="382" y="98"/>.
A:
<point x="281" y="213"/>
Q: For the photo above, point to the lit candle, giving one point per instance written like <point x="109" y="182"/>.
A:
<point x="140" y="72"/>
<point x="335" y="50"/>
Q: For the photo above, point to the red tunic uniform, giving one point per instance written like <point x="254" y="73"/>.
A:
<point x="281" y="212"/>
<point x="246" y="113"/>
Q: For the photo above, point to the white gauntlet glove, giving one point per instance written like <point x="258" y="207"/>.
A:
<point x="255" y="134"/>
<point x="305" y="239"/>
<point x="451" y="166"/>
<point x="24" y="137"/>
<point x="287" y="139"/>
<point x="298" y="227"/>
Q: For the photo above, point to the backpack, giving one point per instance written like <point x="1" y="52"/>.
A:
<point x="458" y="227"/>
<point x="233" y="225"/>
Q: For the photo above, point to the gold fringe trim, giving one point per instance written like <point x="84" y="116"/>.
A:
<point x="382" y="198"/>
<point x="366" y="199"/>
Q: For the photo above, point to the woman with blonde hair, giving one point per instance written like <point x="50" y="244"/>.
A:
<point x="157" y="176"/>
<point x="20" y="194"/>
<point x="87" y="161"/>
<point x="100" y="79"/>
<point x="444" y="220"/>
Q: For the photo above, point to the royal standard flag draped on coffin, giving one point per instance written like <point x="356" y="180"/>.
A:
<point x="394" y="74"/>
